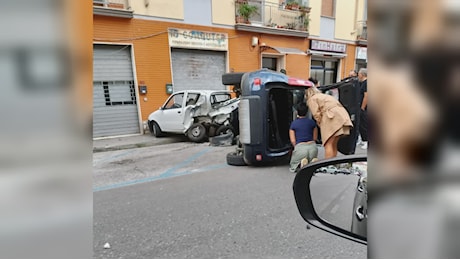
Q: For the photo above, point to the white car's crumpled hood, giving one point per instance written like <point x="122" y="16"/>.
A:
<point x="218" y="114"/>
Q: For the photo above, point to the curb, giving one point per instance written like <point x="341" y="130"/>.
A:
<point x="123" y="147"/>
<point x="146" y="143"/>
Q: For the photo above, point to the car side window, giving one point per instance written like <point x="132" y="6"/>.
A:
<point x="175" y="101"/>
<point x="219" y="98"/>
<point x="192" y="98"/>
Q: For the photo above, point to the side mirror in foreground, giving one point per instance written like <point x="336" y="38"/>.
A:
<point x="336" y="203"/>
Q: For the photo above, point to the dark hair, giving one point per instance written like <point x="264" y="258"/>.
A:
<point x="302" y="109"/>
<point x="315" y="81"/>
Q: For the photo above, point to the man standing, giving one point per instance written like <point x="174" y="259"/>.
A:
<point x="362" y="77"/>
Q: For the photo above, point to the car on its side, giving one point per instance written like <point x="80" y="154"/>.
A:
<point x="199" y="114"/>
<point x="266" y="110"/>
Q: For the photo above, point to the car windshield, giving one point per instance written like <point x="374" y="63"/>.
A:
<point x="219" y="98"/>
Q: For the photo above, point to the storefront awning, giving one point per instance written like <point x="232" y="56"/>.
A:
<point x="283" y="50"/>
<point x="327" y="54"/>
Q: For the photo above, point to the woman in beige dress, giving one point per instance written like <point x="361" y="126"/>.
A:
<point x="331" y="117"/>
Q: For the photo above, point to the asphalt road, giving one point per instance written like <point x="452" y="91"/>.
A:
<point x="182" y="200"/>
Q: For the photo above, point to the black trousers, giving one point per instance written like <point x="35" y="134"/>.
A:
<point x="363" y="125"/>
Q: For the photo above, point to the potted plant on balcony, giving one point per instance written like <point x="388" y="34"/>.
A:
<point x="304" y="22"/>
<point x="245" y="11"/>
<point x="292" y="5"/>
<point x="291" y="26"/>
<point x="304" y="9"/>
<point x="304" y="18"/>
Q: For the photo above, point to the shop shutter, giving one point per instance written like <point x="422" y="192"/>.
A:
<point x="197" y="70"/>
<point x="114" y="98"/>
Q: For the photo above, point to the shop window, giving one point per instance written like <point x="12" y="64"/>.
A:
<point x="325" y="71"/>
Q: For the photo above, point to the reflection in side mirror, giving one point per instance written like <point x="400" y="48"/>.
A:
<point x="339" y="195"/>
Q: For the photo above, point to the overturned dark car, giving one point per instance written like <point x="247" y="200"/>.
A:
<point x="266" y="110"/>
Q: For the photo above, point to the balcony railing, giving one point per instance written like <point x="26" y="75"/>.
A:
<point x="274" y="18"/>
<point x="117" y="8"/>
<point x="362" y="31"/>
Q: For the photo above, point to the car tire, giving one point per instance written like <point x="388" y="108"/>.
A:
<point x="226" y="129"/>
<point x="235" y="160"/>
<point x="155" y="129"/>
<point x="232" y="78"/>
<point x="197" y="133"/>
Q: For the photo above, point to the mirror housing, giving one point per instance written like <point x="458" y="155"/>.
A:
<point x="303" y="198"/>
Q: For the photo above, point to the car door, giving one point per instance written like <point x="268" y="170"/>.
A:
<point x="349" y="97"/>
<point x="172" y="114"/>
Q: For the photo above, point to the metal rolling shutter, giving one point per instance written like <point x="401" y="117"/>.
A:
<point x="114" y="97"/>
<point x="196" y="69"/>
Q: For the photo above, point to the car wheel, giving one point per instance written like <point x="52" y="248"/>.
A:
<point x="232" y="78"/>
<point x="235" y="159"/>
<point x="155" y="129"/>
<point x="197" y="133"/>
<point x="226" y="130"/>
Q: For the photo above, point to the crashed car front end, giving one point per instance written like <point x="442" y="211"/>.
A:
<point x="205" y="113"/>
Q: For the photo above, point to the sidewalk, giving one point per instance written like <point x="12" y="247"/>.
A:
<point x="146" y="140"/>
<point x="133" y="141"/>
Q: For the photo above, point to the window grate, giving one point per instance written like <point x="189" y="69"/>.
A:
<point x="114" y="89"/>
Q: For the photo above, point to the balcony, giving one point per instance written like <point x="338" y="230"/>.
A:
<point x="272" y="18"/>
<point x="115" y="8"/>
<point x="361" y="37"/>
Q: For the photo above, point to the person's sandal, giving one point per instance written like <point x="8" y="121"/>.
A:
<point x="303" y="162"/>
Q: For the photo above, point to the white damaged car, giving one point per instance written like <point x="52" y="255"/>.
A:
<point x="199" y="114"/>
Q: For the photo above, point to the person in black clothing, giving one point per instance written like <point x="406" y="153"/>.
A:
<point x="362" y="77"/>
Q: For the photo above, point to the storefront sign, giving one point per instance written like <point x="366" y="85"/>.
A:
<point x="328" y="46"/>
<point x="193" y="39"/>
<point x="361" y="53"/>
